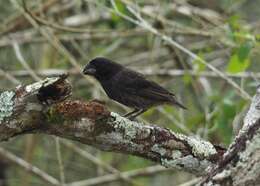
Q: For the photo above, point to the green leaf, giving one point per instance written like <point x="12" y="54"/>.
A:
<point x="257" y="37"/>
<point x="240" y="61"/>
<point x="234" y="22"/>
<point x="235" y="65"/>
<point x="244" y="50"/>
<point x="121" y="8"/>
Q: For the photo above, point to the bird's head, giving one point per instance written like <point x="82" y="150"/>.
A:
<point x="101" y="68"/>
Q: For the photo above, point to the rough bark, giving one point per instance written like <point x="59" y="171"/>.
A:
<point x="240" y="165"/>
<point x="43" y="107"/>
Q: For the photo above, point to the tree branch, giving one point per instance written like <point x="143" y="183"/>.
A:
<point x="240" y="164"/>
<point x="42" y="108"/>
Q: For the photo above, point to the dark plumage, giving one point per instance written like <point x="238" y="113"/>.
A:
<point x="128" y="87"/>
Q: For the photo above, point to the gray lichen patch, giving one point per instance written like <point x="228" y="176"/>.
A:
<point x="114" y="140"/>
<point x="253" y="113"/>
<point x="247" y="168"/>
<point x="223" y="175"/>
<point x="164" y="152"/>
<point x="159" y="149"/>
<point x="200" y="148"/>
<point x="176" y="154"/>
<point x="131" y="129"/>
<point x="6" y="104"/>
<point x="252" y="146"/>
<point x="174" y="144"/>
<point x="188" y="163"/>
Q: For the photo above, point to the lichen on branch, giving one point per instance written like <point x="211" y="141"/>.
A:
<point x="6" y="104"/>
<point x="43" y="107"/>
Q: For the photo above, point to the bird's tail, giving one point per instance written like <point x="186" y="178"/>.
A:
<point x="179" y="104"/>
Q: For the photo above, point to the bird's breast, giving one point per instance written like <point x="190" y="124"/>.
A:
<point x="109" y="88"/>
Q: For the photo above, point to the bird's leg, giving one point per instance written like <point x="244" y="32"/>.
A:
<point x="139" y="112"/>
<point x="130" y="113"/>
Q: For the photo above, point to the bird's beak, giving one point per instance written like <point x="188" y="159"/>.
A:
<point x="89" y="71"/>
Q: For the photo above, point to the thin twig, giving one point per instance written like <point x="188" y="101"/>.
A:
<point x="10" y="77"/>
<point x="144" y="24"/>
<point x="114" y="177"/>
<point x="61" y="167"/>
<point x="192" y="182"/>
<point x="28" y="167"/>
<point x="23" y="62"/>
<point x="37" y="78"/>
<point x="97" y="161"/>
<point x="146" y="71"/>
<point x="47" y="34"/>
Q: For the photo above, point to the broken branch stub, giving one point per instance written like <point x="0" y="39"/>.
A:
<point x="20" y="108"/>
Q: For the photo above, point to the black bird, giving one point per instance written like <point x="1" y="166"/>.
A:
<point x="128" y="87"/>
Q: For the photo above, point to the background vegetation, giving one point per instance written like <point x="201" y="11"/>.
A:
<point x="213" y="71"/>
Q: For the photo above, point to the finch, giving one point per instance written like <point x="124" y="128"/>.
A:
<point x="129" y="87"/>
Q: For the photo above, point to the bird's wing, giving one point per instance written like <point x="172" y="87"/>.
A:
<point x="154" y="91"/>
<point x="135" y="83"/>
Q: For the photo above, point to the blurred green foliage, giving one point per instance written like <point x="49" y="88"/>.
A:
<point x="212" y="103"/>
